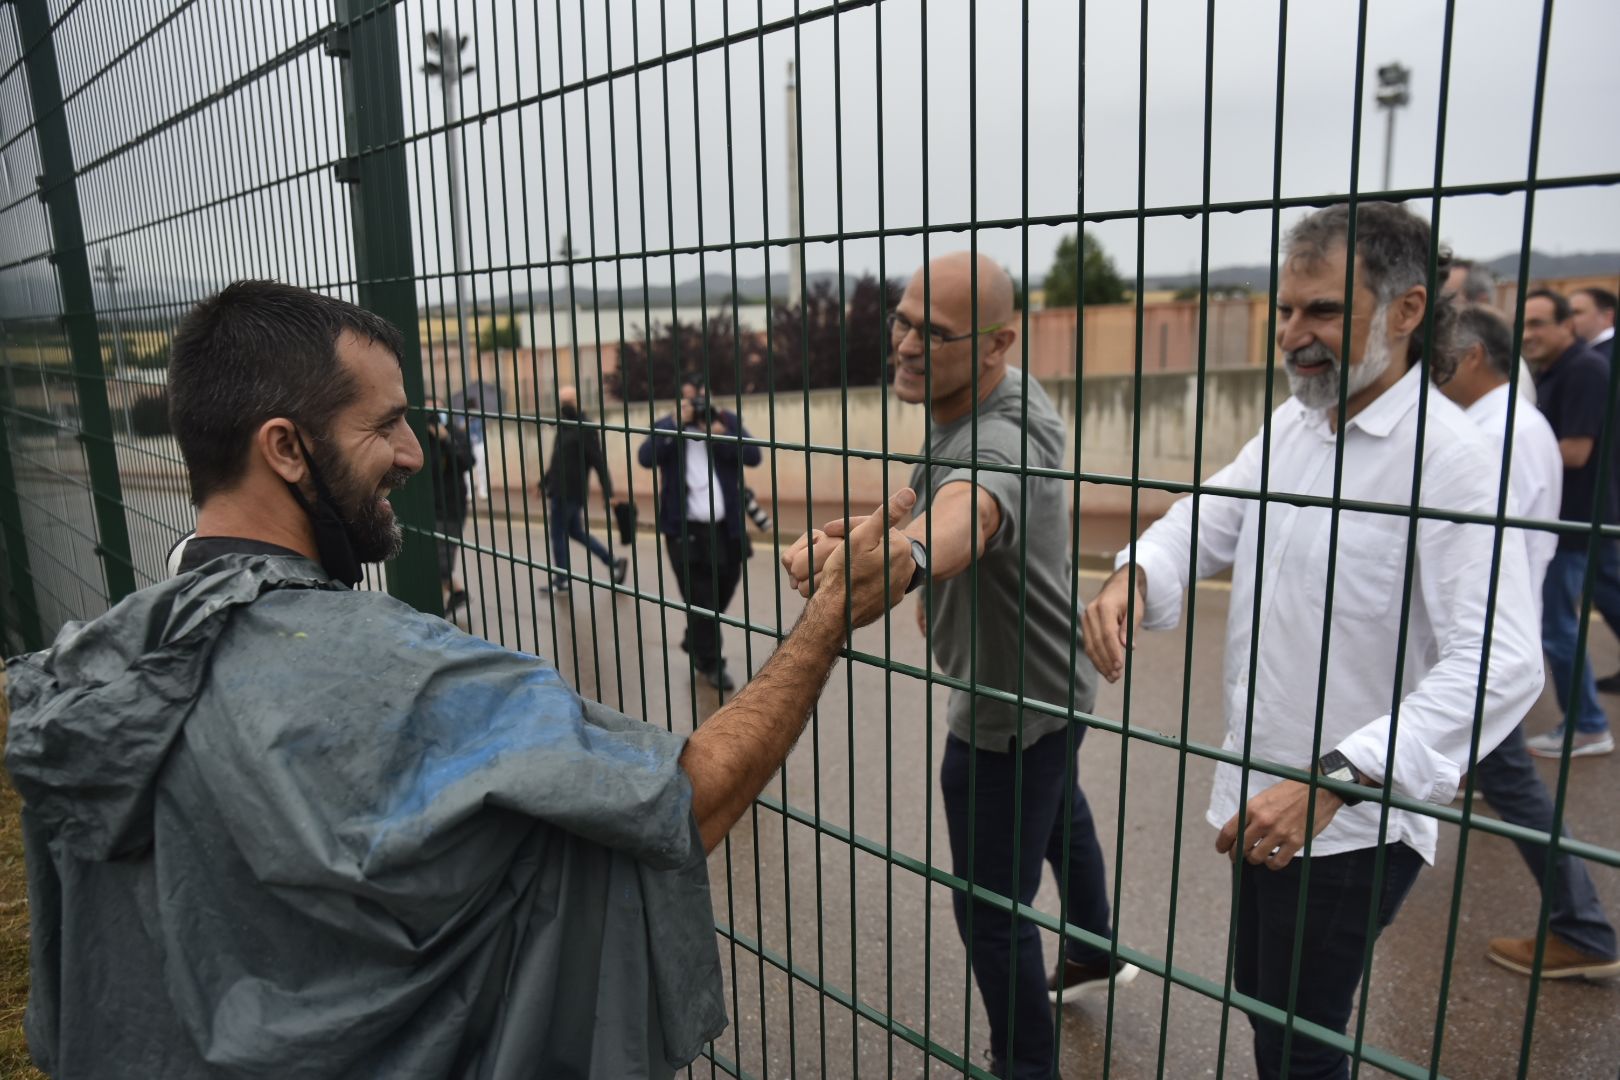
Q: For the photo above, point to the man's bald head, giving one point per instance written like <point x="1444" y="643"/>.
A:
<point x="950" y="290"/>
<point x="567" y="397"/>
<point x="944" y="349"/>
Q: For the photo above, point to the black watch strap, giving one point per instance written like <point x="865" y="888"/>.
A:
<point x="919" y="573"/>
<point x="1335" y="766"/>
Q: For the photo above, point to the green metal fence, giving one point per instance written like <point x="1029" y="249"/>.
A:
<point x="474" y="194"/>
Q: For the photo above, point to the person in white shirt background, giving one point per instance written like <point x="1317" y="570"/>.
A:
<point x="1580" y="940"/>
<point x="1343" y="729"/>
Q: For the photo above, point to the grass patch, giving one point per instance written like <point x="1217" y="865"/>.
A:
<point x="15" y="1063"/>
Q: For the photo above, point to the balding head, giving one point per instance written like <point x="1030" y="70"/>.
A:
<point x="944" y="349"/>
<point x="567" y="398"/>
<point x="950" y="290"/>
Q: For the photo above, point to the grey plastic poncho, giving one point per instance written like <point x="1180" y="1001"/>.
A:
<point x="276" y="828"/>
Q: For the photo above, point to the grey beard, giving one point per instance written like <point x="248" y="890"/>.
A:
<point x="1322" y="391"/>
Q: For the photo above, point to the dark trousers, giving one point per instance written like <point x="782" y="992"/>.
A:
<point x="708" y="564"/>
<point x="1335" y="938"/>
<point x="1560" y="629"/>
<point x="1035" y="816"/>
<point x="1606" y="584"/>
<point x="568" y="523"/>
<point x="1508" y="779"/>
<point x="448" y="549"/>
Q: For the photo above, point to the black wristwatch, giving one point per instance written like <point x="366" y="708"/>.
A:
<point x="919" y="575"/>
<point x="1335" y="766"/>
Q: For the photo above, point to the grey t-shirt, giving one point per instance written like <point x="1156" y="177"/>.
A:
<point x="1036" y="509"/>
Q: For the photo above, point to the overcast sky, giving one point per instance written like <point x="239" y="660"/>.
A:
<point x="244" y="186"/>
<point x="980" y="89"/>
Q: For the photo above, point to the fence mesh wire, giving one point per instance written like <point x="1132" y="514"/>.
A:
<point x="535" y="193"/>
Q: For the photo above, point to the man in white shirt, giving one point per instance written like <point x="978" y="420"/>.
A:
<point x="1580" y="940"/>
<point x="1279" y="553"/>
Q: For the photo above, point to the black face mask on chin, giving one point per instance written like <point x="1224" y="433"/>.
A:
<point x="331" y="535"/>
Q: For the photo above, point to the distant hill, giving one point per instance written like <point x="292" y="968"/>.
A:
<point x="716" y="289"/>
<point x="1582" y="264"/>
<point x="1258" y="278"/>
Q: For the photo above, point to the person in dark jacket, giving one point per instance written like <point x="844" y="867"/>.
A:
<point x="450" y="461"/>
<point x="577" y="451"/>
<point x="700" y="513"/>
<point x="1572" y="391"/>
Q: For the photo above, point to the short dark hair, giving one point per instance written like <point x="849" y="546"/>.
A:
<point x="1392" y="241"/>
<point x="1559" y="303"/>
<point x="1602" y="299"/>
<point x="1478" y="324"/>
<point x="255" y="351"/>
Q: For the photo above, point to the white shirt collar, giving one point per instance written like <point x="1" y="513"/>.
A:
<point x="1382" y="414"/>
<point x="1487" y="403"/>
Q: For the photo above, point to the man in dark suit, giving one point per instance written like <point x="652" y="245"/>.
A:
<point x="699" y="452"/>
<point x="1591" y="313"/>
<point x="1572" y="391"/>
<point x="1591" y="316"/>
<point x="567" y="483"/>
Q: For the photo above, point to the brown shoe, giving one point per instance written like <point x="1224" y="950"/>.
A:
<point x="1560" y="960"/>
<point x="1079" y="980"/>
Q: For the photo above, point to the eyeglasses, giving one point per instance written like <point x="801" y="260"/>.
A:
<point x="900" y="327"/>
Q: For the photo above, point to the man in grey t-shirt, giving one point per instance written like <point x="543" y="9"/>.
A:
<point x="998" y="587"/>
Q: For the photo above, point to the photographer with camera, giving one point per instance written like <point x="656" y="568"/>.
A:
<point x="699" y="454"/>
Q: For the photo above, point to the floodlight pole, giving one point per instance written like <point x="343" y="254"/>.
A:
<point x="1394" y="92"/>
<point x="444" y="62"/>
<point x="795" y="295"/>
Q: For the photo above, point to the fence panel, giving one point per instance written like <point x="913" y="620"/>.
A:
<point x="605" y="195"/>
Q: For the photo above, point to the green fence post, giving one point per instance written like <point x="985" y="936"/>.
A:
<point x="72" y="261"/>
<point x="18" y="597"/>
<point x="366" y="41"/>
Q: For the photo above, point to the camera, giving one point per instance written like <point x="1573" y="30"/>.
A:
<point x="702" y="409"/>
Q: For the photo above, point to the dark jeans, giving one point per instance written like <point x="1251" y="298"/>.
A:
<point x="1035" y="816"/>
<point x="708" y="564"/>
<point x="1560" y="625"/>
<point x="568" y="523"/>
<point x="448" y="549"/>
<point x="1508" y="779"/>
<point x="1335" y="939"/>
<point x="1606" y="584"/>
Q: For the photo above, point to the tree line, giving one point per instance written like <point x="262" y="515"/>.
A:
<point x="822" y="343"/>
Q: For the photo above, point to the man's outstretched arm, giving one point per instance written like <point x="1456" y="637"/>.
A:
<point x="733" y="755"/>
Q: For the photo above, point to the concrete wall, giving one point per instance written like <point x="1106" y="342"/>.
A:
<point x="1169" y="337"/>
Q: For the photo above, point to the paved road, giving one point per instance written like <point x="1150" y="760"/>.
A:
<point x="875" y="933"/>
<point x="890" y="941"/>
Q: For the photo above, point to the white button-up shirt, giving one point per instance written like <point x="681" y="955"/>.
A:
<point x="1445" y="624"/>
<point x="1538" y="474"/>
<point x="704" y="499"/>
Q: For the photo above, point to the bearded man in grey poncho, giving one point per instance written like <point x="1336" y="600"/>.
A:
<point x="279" y="827"/>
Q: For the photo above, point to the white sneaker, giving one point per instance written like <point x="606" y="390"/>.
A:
<point x="1585" y="744"/>
<point x="1079" y="981"/>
